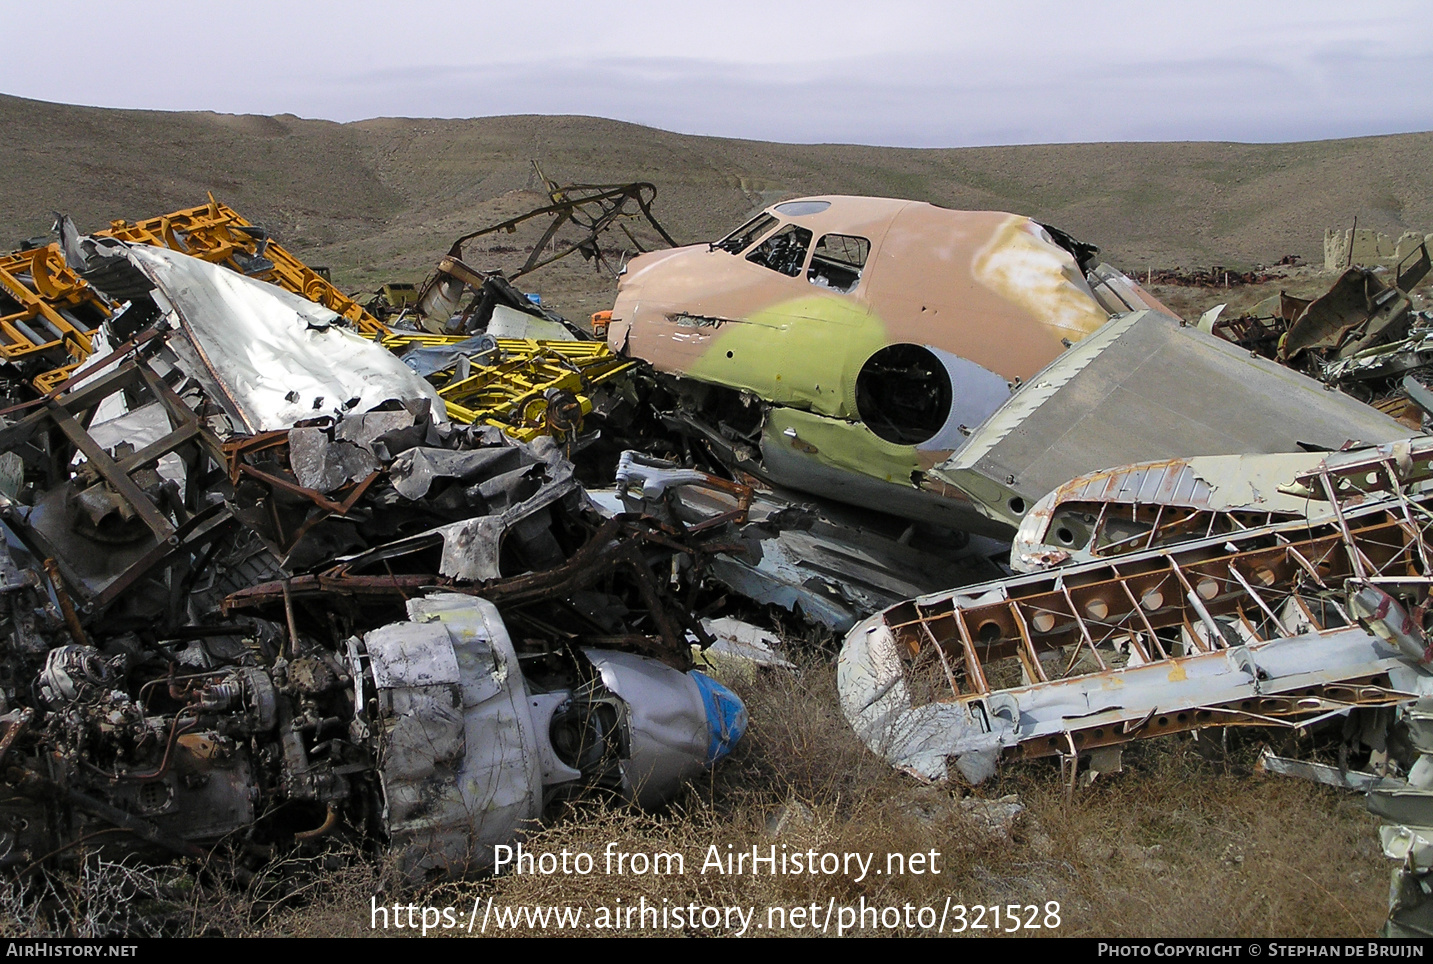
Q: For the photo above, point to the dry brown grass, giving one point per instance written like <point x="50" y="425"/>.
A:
<point x="1173" y="846"/>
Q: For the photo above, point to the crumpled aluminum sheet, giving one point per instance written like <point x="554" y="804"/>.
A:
<point x="479" y="350"/>
<point x="461" y="770"/>
<point x="415" y="471"/>
<point x="324" y="465"/>
<point x="279" y="358"/>
<point x="515" y="487"/>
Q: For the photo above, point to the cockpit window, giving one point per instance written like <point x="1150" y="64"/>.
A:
<point x="740" y="239"/>
<point x="795" y="209"/>
<point x="784" y="251"/>
<point x="837" y="262"/>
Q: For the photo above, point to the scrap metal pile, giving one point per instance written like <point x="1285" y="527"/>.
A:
<point x="260" y="587"/>
<point x="1363" y="336"/>
<point x="278" y="570"/>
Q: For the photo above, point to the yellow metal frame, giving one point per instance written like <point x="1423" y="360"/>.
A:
<point x="537" y="388"/>
<point x="210" y="232"/>
<point x="48" y="294"/>
<point x="515" y="394"/>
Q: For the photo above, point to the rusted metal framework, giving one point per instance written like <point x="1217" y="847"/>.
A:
<point x="591" y="209"/>
<point x="618" y="547"/>
<point x="106" y="518"/>
<point x="594" y="209"/>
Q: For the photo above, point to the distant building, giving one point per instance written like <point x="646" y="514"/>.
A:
<point x="1369" y="247"/>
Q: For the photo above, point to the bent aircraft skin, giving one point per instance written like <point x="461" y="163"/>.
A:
<point x="879" y="333"/>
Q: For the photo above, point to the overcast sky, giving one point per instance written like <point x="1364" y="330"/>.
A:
<point x="892" y="73"/>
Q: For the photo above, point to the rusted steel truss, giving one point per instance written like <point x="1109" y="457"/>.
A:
<point x="594" y="209"/>
<point x="107" y="518"/>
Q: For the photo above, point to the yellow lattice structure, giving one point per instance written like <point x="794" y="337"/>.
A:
<point x="535" y="388"/>
<point x="217" y="233"/>
<point x="47" y="312"/>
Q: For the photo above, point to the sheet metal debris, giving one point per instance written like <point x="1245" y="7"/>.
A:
<point x="1144" y="388"/>
<point x="1363" y="336"/>
<point x="531" y="374"/>
<point x="1281" y="624"/>
<point x="1117" y="511"/>
<point x="1407" y="835"/>
<point x="827" y="562"/>
<point x="262" y="591"/>
<point x="271" y="357"/>
<point x="218" y="234"/>
<point x="277" y="571"/>
<point x="1328" y="775"/>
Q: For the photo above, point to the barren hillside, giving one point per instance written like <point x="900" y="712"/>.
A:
<point x="382" y="199"/>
